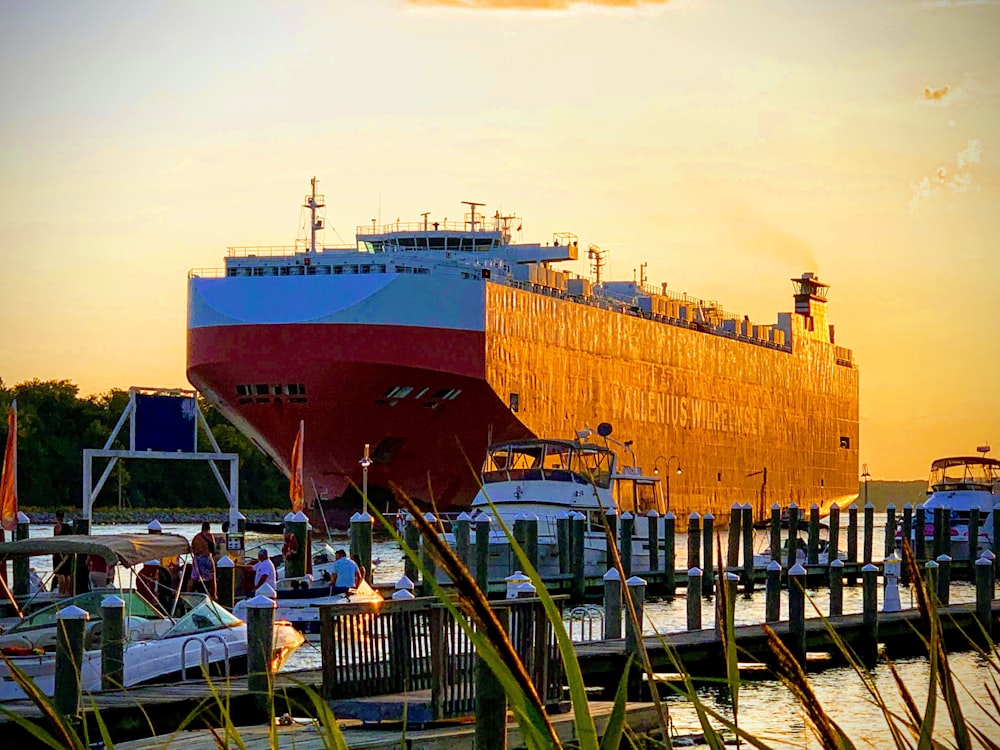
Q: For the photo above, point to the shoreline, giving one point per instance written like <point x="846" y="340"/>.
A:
<point x="163" y="515"/>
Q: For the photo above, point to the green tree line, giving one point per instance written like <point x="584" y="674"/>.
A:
<point x="55" y="424"/>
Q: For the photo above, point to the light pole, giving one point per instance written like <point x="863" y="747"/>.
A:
<point x="865" y="476"/>
<point x="666" y="476"/>
<point x="365" y="463"/>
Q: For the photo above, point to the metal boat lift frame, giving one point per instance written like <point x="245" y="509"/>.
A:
<point x="230" y="489"/>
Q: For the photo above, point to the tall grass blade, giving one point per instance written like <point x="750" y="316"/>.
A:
<point x="62" y="729"/>
<point x="616" y="721"/>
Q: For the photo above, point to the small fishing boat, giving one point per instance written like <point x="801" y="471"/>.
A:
<point x="960" y="483"/>
<point x="551" y="478"/>
<point x="299" y="601"/>
<point x="160" y="647"/>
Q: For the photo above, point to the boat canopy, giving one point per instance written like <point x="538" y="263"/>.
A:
<point x="957" y="473"/>
<point x="552" y="460"/>
<point x="123" y="549"/>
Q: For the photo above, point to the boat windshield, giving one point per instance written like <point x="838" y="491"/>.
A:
<point x="637" y="496"/>
<point x="956" y="474"/>
<point x="205" y="615"/>
<point x="135" y="606"/>
<point x="551" y="461"/>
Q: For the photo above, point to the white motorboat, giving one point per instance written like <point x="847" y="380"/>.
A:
<point x="300" y="606"/>
<point x="160" y="647"/>
<point x="551" y="478"/>
<point x="960" y="483"/>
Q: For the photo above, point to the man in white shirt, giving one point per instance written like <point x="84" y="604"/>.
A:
<point x="264" y="572"/>
<point x="348" y="575"/>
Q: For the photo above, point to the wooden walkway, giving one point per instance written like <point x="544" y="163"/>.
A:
<point x="453" y="735"/>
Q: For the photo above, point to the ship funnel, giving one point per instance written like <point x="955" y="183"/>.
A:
<point x="810" y="293"/>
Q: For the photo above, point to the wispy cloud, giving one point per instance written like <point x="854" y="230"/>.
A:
<point x="945" y="181"/>
<point x="548" y="5"/>
<point x="936" y="95"/>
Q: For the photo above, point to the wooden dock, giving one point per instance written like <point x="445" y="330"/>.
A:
<point x="451" y="735"/>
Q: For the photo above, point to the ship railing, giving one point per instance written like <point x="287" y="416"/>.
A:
<point x="485" y="226"/>
<point x="279" y="251"/>
<point x="206" y="273"/>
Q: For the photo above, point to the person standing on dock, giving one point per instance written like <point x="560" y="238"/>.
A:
<point x="203" y="570"/>
<point x="62" y="564"/>
<point x="264" y="572"/>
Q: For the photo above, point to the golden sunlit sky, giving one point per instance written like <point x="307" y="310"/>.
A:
<point x="730" y="145"/>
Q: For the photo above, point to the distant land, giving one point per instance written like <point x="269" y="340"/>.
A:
<point x="881" y="493"/>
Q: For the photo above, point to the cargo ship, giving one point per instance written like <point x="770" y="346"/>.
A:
<point x="408" y="353"/>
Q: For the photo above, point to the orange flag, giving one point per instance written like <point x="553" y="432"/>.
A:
<point x="8" y="479"/>
<point x="295" y="491"/>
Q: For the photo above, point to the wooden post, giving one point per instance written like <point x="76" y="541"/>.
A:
<point x="868" y="647"/>
<point x="725" y="601"/>
<point x="669" y="555"/>
<point x="260" y="645"/>
<point x="225" y="574"/>
<point x="939" y="531"/>
<point x="563" y="541"/>
<point x="463" y="539"/>
<point x="361" y="540"/>
<point x="833" y="549"/>
<point x="22" y="574"/>
<point x="944" y="580"/>
<point x="852" y="543"/>
<point x="793" y="537"/>
<point x="984" y="594"/>
<point x="775" y="532"/>
<point x="71" y="623"/>
<point x="694" y="541"/>
<point x="427" y="560"/>
<point x="869" y="538"/>
<point x="411" y="538"/>
<point x="907" y="537"/>
<point x="113" y="643"/>
<point x="797" y="612"/>
<point x="578" y="529"/>
<point x="483" y="523"/>
<point x="812" y="544"/>
<point x="491" y="700"/>
<point x="81" y="575"/>
<point x="633" y="628"/>
<point x="974" y="524"/>
<point x="297" y="527"/>
<point x="890" y="529"/>
<point x="836" y="588"/>
<point x="612" y="605"/>
<point x="653" y="534"/>
<point x="748" y="583"/>
<point x="611" y="536"/>
<point x="920" y="533"/>
<point x="733" y="547"/>
<point x="930" y="581"/>
<point x="625" y="544"/>
<point x="694" y="599"/>
<point x="708" y="547"/>
<point x="531" y="539"/>
<point x="520" y="533"/>
<point x="772" y="592"/>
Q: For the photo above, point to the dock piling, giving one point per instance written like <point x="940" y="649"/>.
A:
<point x="669" y="553"/>
<point x="21" y="571"/>
<point x="797" y="612"/>
<point x="930" y="581"/>
<point x="225" y="575"/>
<point x="890" y="530"/>
<point x="735" y="536"/>
<point x="491" y="700"/>
<point x="299" y="561"/>
<point x="71" y="624"/>
<point x="869" y="534"/>
<point x="578" y="529"/>
<point x="113" y="642"/>
<point x="868" y="645"/>
<point x="747" y="513"/>
<point x="836" y="587"/>
<point x="775" y="532"/>
<point x="694" y="599"/>
<point x="772" y="592"/>
<point x="427" y="560"/>
<point x="708" y="547"/>
<point x="906" y="538"/>
<point x="694" y="541"/>
<point x="463" y="539"/>
<point x="833" y="548"/>
<point x="612" y="604"/>
<point x="633" y="628"/>
<point x="653" y="533"/>
<point x="793" y="536"/>
<point x="625" y="545"/>
<point x="939" y="531"/>
<point x="984" y="594"/>
<point x="920" y="533"/>
<point x="812" y="548"/>
<point x="483" y="523"/>
<point x="563" y="541"/>
<point x="974" y="524"/>
<point x="260" y="637"/>
<point x="611" y="535"/>
<point x="531" y="539"/>
<point x="852" y="543"/>
<point x="411" y="538"/>
<point x="944" y="580"/>
<point x="725" y="607"/>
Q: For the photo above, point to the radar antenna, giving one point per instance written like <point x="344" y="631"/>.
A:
<point x="314" y="202"/>
<point x="472" y="207"/>
<point x="596" y="256"/>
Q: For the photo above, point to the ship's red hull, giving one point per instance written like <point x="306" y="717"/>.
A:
<point x="428" y="443"/>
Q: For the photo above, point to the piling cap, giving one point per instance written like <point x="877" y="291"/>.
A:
<point x="72" y="612"/>
<point x="364" y="517"/>
<point x="578" y="516"/>
<point x="694" y="516"/>
<point x="984" y="560"/>
<point x="943" y="559"/>
<point x="154" y="527"/>
<point x="240" y="516"/>
<point x="653" y="514"/>
<point x="225" y="562"/>
<point x="112" y="602"/>
<point x="463" y="516"/>
<point x="635" y="581"/>
<point x="814" y="505"/>
<point x="404" y="583"/>
<point x="612" y="575"/>
<point x="289" y="517"/>
<point x="261" y="601"/>
<point x="797" y="570"/>
<point x="299" y="517"/>
<point x="774" y="565"/>
<point x="518" y="576"/>
<point x="484" y="518"/>
<point x="732" y="577"/>
<point x="931" y="565"/>
<point x="23" y="517"/>
<point x="694" y="572"/>
<point x="430" y="518"/>
<point x="988" y="554"/>
<point x="670" y="515"/>
<point x="526" y="590"/>
<point x="869" y="568"/>
<point x="869" y="505"/>
<point x="265" y="590"/>
<point x="708" y="516"/>
<point x="627" y="515"/>
<point x="791" y="505"/>
<point x="838" y="563"/>
<point x="402" y="594"/>
<point x="907" y="505"/>
<point x="152" y="563"/>
<point x="736" y="506"/>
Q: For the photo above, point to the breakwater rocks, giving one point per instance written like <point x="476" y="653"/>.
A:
<point x="145" y="515"/>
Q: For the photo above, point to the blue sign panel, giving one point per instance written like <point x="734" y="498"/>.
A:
<point x="164" y="423"/>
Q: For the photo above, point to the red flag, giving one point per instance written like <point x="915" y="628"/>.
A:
<point x="295" y="492"/>
<point x="8" y="479"/>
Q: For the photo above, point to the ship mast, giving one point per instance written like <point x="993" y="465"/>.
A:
<point x="472" y="206"/>
<point x="314" y="202"/>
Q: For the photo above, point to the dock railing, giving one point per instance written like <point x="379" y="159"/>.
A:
<point x="402" y="646"/>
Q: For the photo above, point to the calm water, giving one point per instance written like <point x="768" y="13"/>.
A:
<point x="767" y="708"/>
